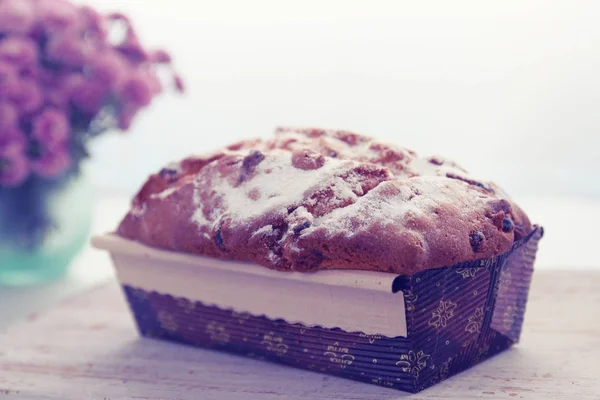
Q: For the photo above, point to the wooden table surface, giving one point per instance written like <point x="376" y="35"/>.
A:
<point x="88" y="348"/>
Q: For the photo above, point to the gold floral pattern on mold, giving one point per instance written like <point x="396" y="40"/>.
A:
<point x="441" y="315"/>
<point x="475" y="321"/>
<point x="410" y="298"/>
<point x="167" y="321"/>
<point x="467" y="272"/>
<point x="382" y="382"/>
<point x="505" y="277"/>
<point x="186" y="305"/>
<point x="371" y="338"/>
<point x="509" y="317"/>
<point x="413" y="363"/>
<point x="241" y="316"/>
<point x="217" y="332"/>
<point x="274" y="344"/>
<point x="445" y="369"/>
<point x="339" y="355"/>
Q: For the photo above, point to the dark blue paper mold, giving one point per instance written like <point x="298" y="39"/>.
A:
<point x="456" y="317"/>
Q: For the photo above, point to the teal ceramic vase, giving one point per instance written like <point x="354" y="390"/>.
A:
<point x="70" y="210"/>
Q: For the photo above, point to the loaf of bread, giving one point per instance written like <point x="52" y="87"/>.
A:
<point x="312" y="199"/>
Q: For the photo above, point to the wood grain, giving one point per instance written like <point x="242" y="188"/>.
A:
<point x="87" y="348"/>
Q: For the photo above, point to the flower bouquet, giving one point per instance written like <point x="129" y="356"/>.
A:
<point x="66" y="76"/>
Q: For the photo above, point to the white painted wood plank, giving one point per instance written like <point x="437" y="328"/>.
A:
<point x="88" y="348"/>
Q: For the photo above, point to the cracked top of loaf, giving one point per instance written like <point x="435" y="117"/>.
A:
<point x="311" y="199"/>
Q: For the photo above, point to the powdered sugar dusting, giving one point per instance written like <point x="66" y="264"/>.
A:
<point x="423" y="166"/>
<point x="198" y="216"/>
<point x="263" y="230"/>
<point x="301" y="213"/>
<point x="139" y="211"/>
<point x="164" y="194"/>
<point x="343" y="189"/>
<point x="279" y="184"/>
<point x="379" y="207"/>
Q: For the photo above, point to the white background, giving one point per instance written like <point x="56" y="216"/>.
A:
<point x="509" y="89"/>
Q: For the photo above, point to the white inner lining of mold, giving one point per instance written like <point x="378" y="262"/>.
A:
<point x="351" y="300"/>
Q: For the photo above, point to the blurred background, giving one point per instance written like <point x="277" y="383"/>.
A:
<point x="510" y="90"/>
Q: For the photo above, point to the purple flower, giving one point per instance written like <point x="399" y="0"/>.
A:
<point x="63" y="81"/>
<point x="14" y="169"/>
<point x="69" y="49"/>
<point x="160" y="57"/>
<point x="8" y="74"/>
<point x="130" y="47"/>
<point x="50" y="128"/>
<point x="135" y="94"/>
<point x="90" y="96"/>
<point x="61" y="75"/>
<point x="126" y="114"/>
<point x="52" y="163"/>
<point x="25" y="94"/>
<point x="8" y="117"/>
<point x="137" y="91"/>
<point x="16" y="16"/>
<point x="109" y="68"/>
<point x="96" y="25"/>
<point x="31" y="72"/>
<point x="14" y="166"/>
<point x="57" y="15"/>
<point x="12" y="141"/>
<point x="179" y="85"/>
<point x="19" y="51"/>
<point x="59" y="89"/>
